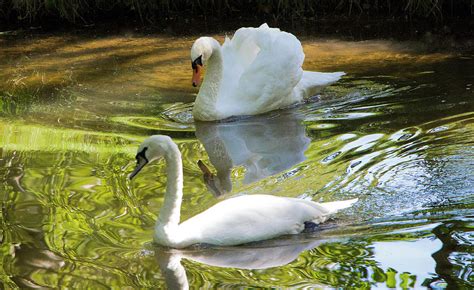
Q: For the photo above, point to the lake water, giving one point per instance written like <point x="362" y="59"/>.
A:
<point x="397" y="132"/>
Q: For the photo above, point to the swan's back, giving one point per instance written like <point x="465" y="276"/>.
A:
<point x="240" y="51"/>
<point x="261" y="67"/>
<point x="250" y="218"/>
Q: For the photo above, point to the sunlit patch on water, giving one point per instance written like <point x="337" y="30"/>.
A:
<point x="396" y="132"/>
<point x="153" y="123"/>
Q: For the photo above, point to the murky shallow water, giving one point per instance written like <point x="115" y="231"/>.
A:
<point x="397" y="133"/>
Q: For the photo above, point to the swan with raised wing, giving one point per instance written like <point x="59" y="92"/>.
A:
<point x="257" y="71"/>
<point x="234" y="221"/>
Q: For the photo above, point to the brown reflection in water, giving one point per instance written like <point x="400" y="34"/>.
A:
<point x="365" y="56"/>
<point x="132" y="64"/>
<point x="126" y="64"/>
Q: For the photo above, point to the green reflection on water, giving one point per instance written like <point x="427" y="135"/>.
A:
<point x="397" y="133"/>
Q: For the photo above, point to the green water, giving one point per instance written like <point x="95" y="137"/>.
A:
<point x="397" y="132"/>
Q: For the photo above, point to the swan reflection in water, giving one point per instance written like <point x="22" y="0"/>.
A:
<point x="274" y="253"/>
<point x="263" y="145"/>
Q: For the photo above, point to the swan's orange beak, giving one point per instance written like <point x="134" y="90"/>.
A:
<point x="197" y="75"/>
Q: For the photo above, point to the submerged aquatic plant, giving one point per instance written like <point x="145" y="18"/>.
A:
<point x="22" y="91"/>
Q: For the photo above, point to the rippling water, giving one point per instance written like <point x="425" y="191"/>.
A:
<point x="397" y="132"/>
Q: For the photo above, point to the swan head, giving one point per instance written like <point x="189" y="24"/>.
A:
<point x="153" y="148"/>
<point x="201" y="51"/>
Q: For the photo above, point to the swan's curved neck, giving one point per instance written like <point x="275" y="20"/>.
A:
<point x="171" y="209"/>
<point x="206" y="100"/>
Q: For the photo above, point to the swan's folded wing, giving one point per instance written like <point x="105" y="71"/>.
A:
<point x="250" y="218"/>
<point x="267" y="83"/>
<point x="244" y="46"/>
<point x="257" y="63"/>
<point x="237" y="54"/>
<point x="239" y="51"/>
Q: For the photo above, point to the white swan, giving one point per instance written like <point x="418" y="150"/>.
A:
<point x="257" y="71"/>
<point x="233" y="221"/>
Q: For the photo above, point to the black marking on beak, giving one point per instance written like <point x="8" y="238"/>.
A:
<point x="196" y="62"/>
<point x="141" y="162"/>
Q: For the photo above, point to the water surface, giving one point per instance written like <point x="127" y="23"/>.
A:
<point x="397" y="132"/>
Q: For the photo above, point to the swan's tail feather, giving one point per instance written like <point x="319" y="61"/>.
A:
<point x="321" y="79"/>
<point x="312" y="83"/>
<point x="338" y="205"/>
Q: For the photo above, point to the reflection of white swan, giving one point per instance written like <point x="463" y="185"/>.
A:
<point x="244" y="257"/>
<point x="258" y="71"/>
<point x="264" y="146"/>
<point x="233" y="221"/>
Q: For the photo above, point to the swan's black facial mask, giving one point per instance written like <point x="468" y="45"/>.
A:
<point x="197" y="66"/>
<point x="196" y="62"/>
<point x="141" y="162"/>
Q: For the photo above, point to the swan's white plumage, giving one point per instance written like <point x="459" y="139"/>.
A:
<point x="261" y="71"/>
<point x="233" y="221"/>
<point x="313" y="82"/>
<point x="251" y="218"/>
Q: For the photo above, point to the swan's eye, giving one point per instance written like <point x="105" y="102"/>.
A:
<point x="141" y="154"/>
<point x="196" y="62"/>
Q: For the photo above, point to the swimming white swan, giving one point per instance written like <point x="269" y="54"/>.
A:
<point x="233" y="221"/>
<point x="257" y="71"/>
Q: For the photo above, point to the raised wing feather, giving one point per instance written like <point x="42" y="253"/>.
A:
<point x="271" y="77"/>
<point x="261" y="68"/>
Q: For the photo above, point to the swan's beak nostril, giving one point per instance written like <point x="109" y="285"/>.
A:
<point x="194" y="84"/>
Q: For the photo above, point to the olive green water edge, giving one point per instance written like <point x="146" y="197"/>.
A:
<point x="396" y="132"/>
